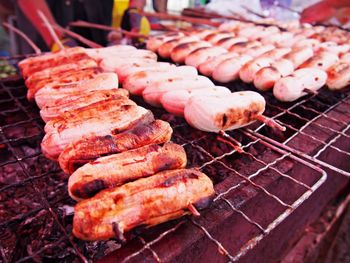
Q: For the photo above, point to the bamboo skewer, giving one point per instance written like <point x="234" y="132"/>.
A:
<point x="193" y="20"/>
<point x="78" y="37"/>
<point x="51" y="30"/>
<point x="24" y="36"/>
<point x="81" y="23"/>
<point x="271" y="123"/>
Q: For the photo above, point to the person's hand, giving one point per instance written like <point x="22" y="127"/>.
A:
<point x="318" y="12"/>
<point x="114" y="37"/>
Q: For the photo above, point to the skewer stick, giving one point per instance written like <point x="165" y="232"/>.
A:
<point x="193" y="20"/>
<point x="225" y="138"/>
<point x="310" y="92"/>
<point x="82" y="39"/>
<point x="193" y="210"/>
<point x="24" y="36"/>
<point x="81" y="23"/>
<point x="253" y="12"/>
<point x="270" y="122"/>
<point x="51" y="30"/>
<point x="118" y="233"/>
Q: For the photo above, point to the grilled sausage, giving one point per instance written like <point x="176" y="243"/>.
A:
<point x="258" y="50"/>
<point x="241" y="47"/>
<point x="126" y="70"/>
<point x="31" y="65"/>
<point x="89" y="149"/>
<point x="115" y="50"/>
<point x="228" y="70"/>
<point x="299" y="55"/>
<point x="58" y="138"/>
<point x="338" y="76"/>
<point x="334" y="48"/>
<point x="54" y="72"/>
<point x="65" y="78"/>
<point x="224" y="112"/>
<point x="201" y="55"/>
<point x="68" y="104"/>
<point x="276" y="53"/>
<point x="293" y="87"/>
<point x="153" y="94"/>
<point x="227" y="42"/>
<point x="137" y="82"/>
<point x="153" y="43"/>
<point x="112" y="65"/>
<point x="181" y="51"/>
<point x="105" y="108"/>
<point x="322" y="60"/>
<point x="115" y="211"/>
<point x="117" y="169"/>
<point x="207" y="67"/>
<point x="275" y="39"/>
<point x="266" y="77"/>
<point x="176" y="100"/>
<point x="49" y="95"/>
<point x="307" y="43"/>
<point x="215" y="37"/>
<point x="166" y="48"/>
<point x="249" y="69"/>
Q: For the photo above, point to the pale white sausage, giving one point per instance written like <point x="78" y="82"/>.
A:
<point x="181" y="51"/>
<point x="249" y="69"/>
<point x="293" y="87"/>
<point x="165" y="49"/>
<point x="153" y="94"/>
<point x="201" y="55"/>
<point x="338" y="76"/>
<point x="224" y="112"/>
<point x="228" y="70"/>
<point x="135" y="83"/>
<point x="207" y="67"/>
<point x="322" y="60"/>
<point x="230" y="41"/>
<point x="266" y="78"/>
<point x="176" y="100"/>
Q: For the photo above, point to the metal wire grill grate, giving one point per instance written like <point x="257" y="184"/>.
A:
<point x="318" y="126"/>
<point x="321" y="120"/>
<point x="256" y="190"/>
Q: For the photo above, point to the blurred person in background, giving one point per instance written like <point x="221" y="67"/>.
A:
<point x="6" y="10"/>
<point x="326" y="10"/>
<point x="133" y="20"/>
<point x="61" y="12"/>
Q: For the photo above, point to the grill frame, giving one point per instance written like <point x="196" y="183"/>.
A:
<point x="45" y="205"/>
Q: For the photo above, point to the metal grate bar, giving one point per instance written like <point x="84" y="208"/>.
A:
<point x="243" y="214"/>
<point x="223" y="251"/>
<point x="159" y="238"/>
<point x="332" y="141"/>
<point x="154" y="254"/>
<point x="329" y="144"/>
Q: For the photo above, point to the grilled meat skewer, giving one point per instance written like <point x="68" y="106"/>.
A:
<point x="117" y="169"/>
<point x="49" y="95"/>
<point x="70" y="104"/>
<point x="145" y="202"/>
<point x="89" y="149"/>
<point x="123" y="118"/>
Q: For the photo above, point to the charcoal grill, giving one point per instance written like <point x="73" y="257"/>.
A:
<point x="257" y="190"/>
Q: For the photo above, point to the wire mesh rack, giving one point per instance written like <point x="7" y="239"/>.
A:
<point x="256" y="190"/>
<point x="318" y="128"/>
